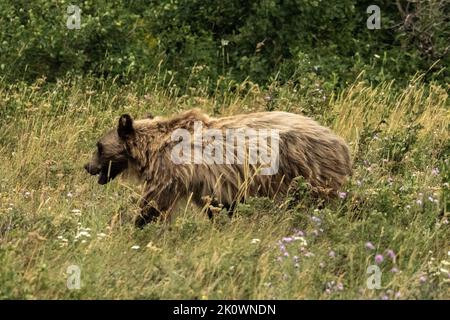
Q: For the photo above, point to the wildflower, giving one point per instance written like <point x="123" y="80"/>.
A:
<point x="391" y="254"/>
<point x="286" y="254"/>
<point x="322" y="265"/>
<point x="69" y="195"/>
<point x="398" y="294"/>
<point x="342" y="195"/>
<point x="287" y="239"/>
<point x="76" y="212"/>
<point x="302" y="240"/>
<point x="332" y="254"/>
<point x="135" y="247"/>
<point x="423" y="279"/>
<point x="419" y="202"/>
<point x="254" y="241"/>
<point x="379" y="258"/>
<point x="340" y="286"/>
<point x="295" y="258"/>
<point x="316" y="219"/>
<point x="435" y="171"/>
<point x="83" y="233"/>
<point x="394" y="270"/>
<point x="384" y="297"/>
<point x="299" y="233"/>
<point x="309" y="254"/>
<point x="296" y="265"/>
<point x="370" y="246"/>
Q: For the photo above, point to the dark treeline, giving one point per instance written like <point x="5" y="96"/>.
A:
<point x="198" y="42"/>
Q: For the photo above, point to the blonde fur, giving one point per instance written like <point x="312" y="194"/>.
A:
<point x="305" y="149"/>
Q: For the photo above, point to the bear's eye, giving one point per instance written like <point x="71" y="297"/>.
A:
<point x="99" y="148"/>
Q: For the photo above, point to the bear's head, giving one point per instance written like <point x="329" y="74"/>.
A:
<point x="111" y="157"/>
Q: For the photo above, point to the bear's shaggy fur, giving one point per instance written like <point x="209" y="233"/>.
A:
<point x="143" y="148"/>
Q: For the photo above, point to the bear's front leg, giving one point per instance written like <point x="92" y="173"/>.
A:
<point x="156" y="201"/>
<point x="148" y="214"/>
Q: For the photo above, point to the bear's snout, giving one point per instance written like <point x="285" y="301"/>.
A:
<point x="93" y="170"/>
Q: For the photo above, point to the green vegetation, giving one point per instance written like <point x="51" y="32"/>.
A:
<point x="385" y="91"/>
<point x="205" y="43"/>
<point x="53" y="214"/>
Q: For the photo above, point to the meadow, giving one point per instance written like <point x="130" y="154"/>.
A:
<point x="392" y="214"/>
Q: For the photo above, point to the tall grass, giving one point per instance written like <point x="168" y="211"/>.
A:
<point x="53" y="215"/>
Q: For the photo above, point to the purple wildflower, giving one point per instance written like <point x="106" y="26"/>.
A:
<point x="299" y="233"/>
<point x="316" y="219"/>
<point x="342" y="195"/>
<point x="370" y="246"/>
<point x="391" y="254"/>
<point x="379" y="258"/>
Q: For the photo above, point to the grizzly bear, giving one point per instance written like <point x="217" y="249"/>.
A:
<point x="219" y="162"/>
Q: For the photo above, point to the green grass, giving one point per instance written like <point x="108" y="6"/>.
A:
<point x="397" y="199"/>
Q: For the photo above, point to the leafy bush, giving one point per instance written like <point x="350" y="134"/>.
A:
<point x="200" y="42"/>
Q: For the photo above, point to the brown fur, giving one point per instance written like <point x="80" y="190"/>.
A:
<point x="305" y="149"/>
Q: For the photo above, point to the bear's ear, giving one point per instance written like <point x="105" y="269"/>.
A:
<point x="125" y="128"/>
